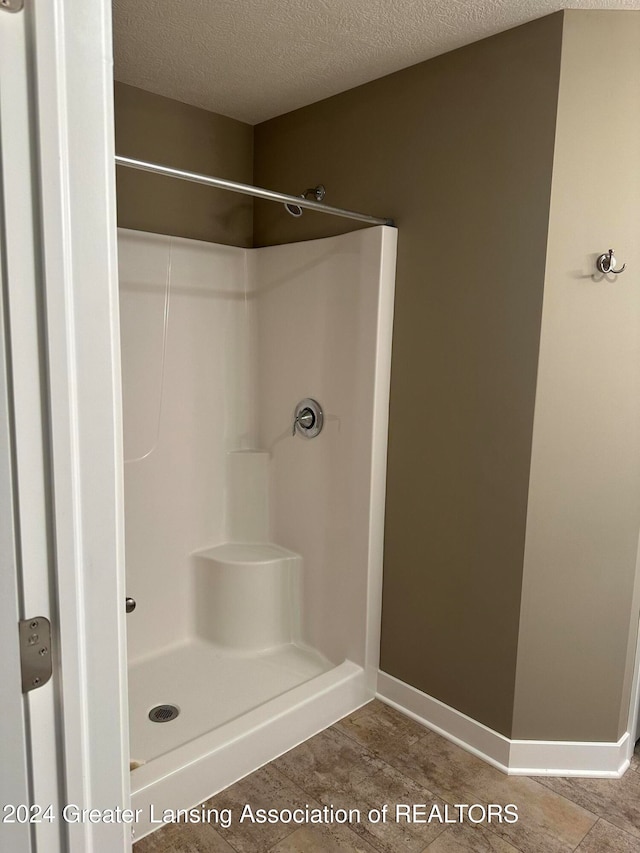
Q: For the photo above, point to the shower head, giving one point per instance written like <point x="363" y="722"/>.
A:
<point x="293" y="209"/>
<point x="317" y="193"/>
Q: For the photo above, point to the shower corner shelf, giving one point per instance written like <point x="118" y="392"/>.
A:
<point x="242" y="553"/>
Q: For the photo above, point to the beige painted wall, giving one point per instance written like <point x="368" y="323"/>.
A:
<point x="577" y="635"/>
<point x="150" y="127"/>
<point x="459" y="150"/>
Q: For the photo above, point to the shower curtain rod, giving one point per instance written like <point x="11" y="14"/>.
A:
<point x="247" y="189"/>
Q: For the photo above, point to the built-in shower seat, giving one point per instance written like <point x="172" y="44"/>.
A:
<point x="247" y="595"/>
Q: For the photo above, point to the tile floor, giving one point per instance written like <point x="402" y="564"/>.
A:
<point x="378" y="756"/>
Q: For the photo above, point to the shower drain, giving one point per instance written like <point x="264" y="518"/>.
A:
<point x="163" y="713"/>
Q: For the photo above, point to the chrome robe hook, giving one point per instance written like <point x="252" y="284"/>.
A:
<point x="606" y="263"/>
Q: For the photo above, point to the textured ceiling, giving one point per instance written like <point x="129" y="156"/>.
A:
<point x="255" y="59"/>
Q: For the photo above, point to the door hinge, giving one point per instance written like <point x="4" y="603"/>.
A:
<point x="35" y="652"/>
<point x="12" y="5"/>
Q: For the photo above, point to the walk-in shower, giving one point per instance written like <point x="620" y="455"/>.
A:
<point x="255" y="386"/>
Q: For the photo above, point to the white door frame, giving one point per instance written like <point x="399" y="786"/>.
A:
<point x="62" y="105"/>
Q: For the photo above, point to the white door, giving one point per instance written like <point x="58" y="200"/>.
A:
<point x="61" y="539"/>
<point x="15" y="832"/>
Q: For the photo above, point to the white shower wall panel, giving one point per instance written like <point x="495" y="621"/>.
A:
<point x="174" y="488"/>
<point x="250" y="333"/>
<point x="319" y="311"/>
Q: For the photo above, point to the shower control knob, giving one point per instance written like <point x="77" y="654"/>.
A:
<point x="130" y="604"/>
<point x="308" y="418"/>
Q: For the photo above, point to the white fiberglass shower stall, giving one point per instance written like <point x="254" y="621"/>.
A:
<point x="253" y="551"/>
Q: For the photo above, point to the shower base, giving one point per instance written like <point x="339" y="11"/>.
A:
<point x="237" y="712"/>
<point x="210" y="687"/>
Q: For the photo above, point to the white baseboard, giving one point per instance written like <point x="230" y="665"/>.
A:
<point x="513" y="757"/>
